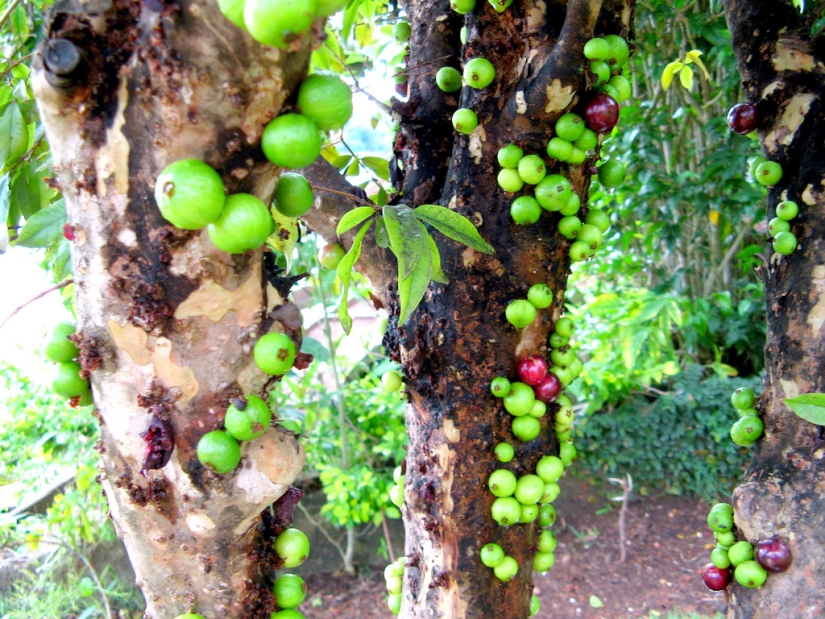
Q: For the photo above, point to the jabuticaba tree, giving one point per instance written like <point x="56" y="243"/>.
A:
<point x="782" y="492"/>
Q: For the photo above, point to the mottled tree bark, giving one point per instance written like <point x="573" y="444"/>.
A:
<point x="783" y="493"/>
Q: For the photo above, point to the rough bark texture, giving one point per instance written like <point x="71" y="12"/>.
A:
<point x="783" y="493"/>
<point x="167" y="322"/>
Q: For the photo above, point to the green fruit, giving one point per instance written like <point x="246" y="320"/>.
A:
<point x="590" y="235"/>
<point x="726" y="539"/>
<point x="233" y="11"/>
<point x="570" y="127"/>
<point x="787" y="210"/>
<point x="292" y="545"/>
<point x="290" y="590"/>
<point x="392" y="381"/>
<point x="60" y="348"/>
<point x="596" y="49"/>
<point x="540" y="296"/>
<point x="500" y="386"/>
<point x="539" y="409"/>
<point x="402" y="31"/>
<point x="720" y="517"/>
<point x="576" y="367"/>
<point x="293" y="196"/>
<point x="189" y="194"/>
<point x="67" y="382"/>
<point x="448" y="79"/>
<point x="86" y="398"/>
<point x="506" y="510"/>
<point x="250" y="422"/>
<point x="524" y="210"/>
<point x="740" y="552"/>
<point x="479" y="73"/>
<point x="328" y="7"/>
<point x="601" y="70"/>
<point x="395" y="585"/>
<point x="611" y="173"/>
<point x="560" y="149"/>
<point x="550" y="469"/>
<point x="569" y="226"/>
<point x="462" y="7"/>
<point x="557" y="341"/>
<point x="784" y="243"/>
<point x="550" y="493"/>
<point x="529" y="488"/>
<point x="462" y="35"/>
<point x="553" y="192"/>
<point x="598" y="218"/>
<point x="531" y="169"/>
<point x="520" y="313"/>
<point x="506" y="570"/>
<point x="768" y="173"/>
<point x="491" y="555"/>
<point x="274" y="353"/>
<point x="502" y="483"/>
<point x="509" y="156"/>
<point x="719" y="557"/>
<point x="291" y="141"/>
<point x="746" y="431"/>
<point x="547" y="541"/>
<point x="745" y="412"/>
<point x="577" y="157"/>
<point x="563" y="356"/>
<point x="526" y="428"/>
<point x="219" y="451"/>
<point x="750" y="574"/>
<point x="753" y="163"/>
<point x="519" y="401"/>
<point x="744" y="397"/>
<point x="573" y="205"/>
<point x="622" y="86"/>
<point x="564" y="418"/>
<point x="535" y="606"/>
<point x="567" y="453"/>
<point x="397" y="475"/>
<point x="289" y="613"/>
<point x="394" y="603"/>
<point x="565" y="326"/>
<point x="330" y="256"/>
<point x="279" y="22"/>
<point x="619" y="51"/>
<point x="776" y="225"/>
<point x="504" y="452"/>
<point x="547" y="515"/>
<point x="543" y="561"/>
<point x="465" y="120"/>
<point x="397" y="495"/>
<point x="244" y="224"/>
<point x="529" y="513"/>
<point x="500" y="5"/>
<point x="587" y="141"/>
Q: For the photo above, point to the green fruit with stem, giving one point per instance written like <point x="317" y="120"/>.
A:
<point x="250" y="420"/>
<point x="500" y="386"/>
<point x="570" y="127"/>
<point x="539" y="409"/>
<point x="543" y="561"/>
<point x="750" y="574"/>
<point x="550" y="469"/>
<point x="529" y="513"/>
<point x="622" y="86"/>
<point x="573" y="205"/>
<point x="219" y="452"/>
<point x="567" y="453"/>
<point x="67" y="382"/>
<point x="465" y="121"/>
<point x="291" y="141"/>
<point x="596" y="49"/>
<point x="502" y="483"/>
<point x="279" y="22"/>
<point x="746" y="431"/>
<point x="725" y="539"/>
<point x="598" y="218"/>
<point x="619" y="51"/>
<point x="504" y="452"/>
<point x="560" y="149"/>
<point x="611" y="173"/>
<point x="601" y="72"/>
<point x="520" y="313"/>
<point x="550" y="493"/>
<point x="290" y="590"/>
<point x="579" y="251"/>
<point x="720" y="518"/>
<point x="244" y="224"/>
<point x="526" y="428"/>
<point x="590" y="235"/>
<point x="565" y="326"/>
<point x="491" y="555"/>
<point x="506" y="570"/>
<point x="326" y="99"/>
<point x="330" y="256"/>
<point x="462" y="7"/>
<point x="768" y="173"/>
<point x="525" y="210"/>
<point x="588" y="141"/>
<point x="563" y="356"/>
<point x="784" y="243"/>
<point x="529" y="488"/>
<point x="565" y="417"/>
<point x="557" y="341"/>
<point x="531" y="169"/>
<point x="740" y="552"/>
<point x="519" y="401"/>
<point x="540" y="296"/>
<point x="292" y="545"/>
<point x="547" y="515"/>
<point x="547" y="541"/>
<point x="274" y="353"/>
<point x="402" y="31"/>
<point x="753" y="163"/>
<point x="448" y="79"/>
<point x="787" y="210"/>
<point x="509" y="156"/>
<point x="564" y="435"/>
<point x="719" y="557"/>
<point x="479" y="72"/>
<point x="553" y="192"/>
<point x="744" y="397"/>
<point x="60" y="348"/>
<point x="776" y="225"/>
<point x="293" y="196"/>
<point x="506" y="510"/>
<point x="189" y="194"/>
<point x="392" y="381"/>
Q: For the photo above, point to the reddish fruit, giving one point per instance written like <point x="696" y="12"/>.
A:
<point x="715" y="579"/>
<point x="774" y="555"/>
<point x="549" y="388"/>
<point x="532" y="370"/>
<point x="742" y="118"/>
<point x="601" y="113"/>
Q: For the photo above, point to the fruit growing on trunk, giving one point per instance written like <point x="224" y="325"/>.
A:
<point x="520" y="313"/>
<point x="326" y="99"/>
<point x="742" y="118"/>
<point x="290" y="590"/>
<point x="768" y="173"/>
<point x="750" y="574"/>
<point x="247" y="419"/>
<point x="292" y="545"/>
<point x="189" y="194"/>
<point x="219" y="451"/>
<point x="60" y="348"/>
<point x="601" y="113"/>
<point x="784" y="243"/>
<point x="716" y="579"/>
<point x="279" y="22"/>
<point x="448" y="79"/>
<point x="465" y="121"/>
<point x="479" y="72"/>
<point x="274" y="353"/>
<point x="293" y="195"/>
<point x="330" y="255"/>
<point x="774" y="555"/>
<point x="244" y="224"/>
<point x="291" y="141"/>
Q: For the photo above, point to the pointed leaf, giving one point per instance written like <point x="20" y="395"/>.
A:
<point x="686" y="77"/>
<point x="411" y="290"/>
<point x="353" y="218"/>
<point x="45" y="227"/>
<point x="382" y="239"/>
<point x="285" y="237"/>
<point x="380" y="166"/>
<point x="344" y="272"/>
<point x="62" y="264"/>
<point x="437" y="274"/>
<point x="701" y="64"/>
<point x="451" y="224"/>
<point x="14" y="137"/>
<point x="810" y="407"/>
<point x="670" y="70"/>
<point x="406" y="240"/>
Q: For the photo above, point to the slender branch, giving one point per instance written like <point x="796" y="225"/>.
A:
<point x="387" y="536"/>
<point x="323" y="530"/>
<point x="352" y="197"/>
<point x="33" y="299"/>
<point x="7" y="13"/>
<point x="371" y="97"/>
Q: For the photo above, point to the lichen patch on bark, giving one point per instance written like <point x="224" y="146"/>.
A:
<point x="212" y="300"/>
<point x="784" y="131"/>
<point x="558" y="96"/>
<point x="789" y="58"/>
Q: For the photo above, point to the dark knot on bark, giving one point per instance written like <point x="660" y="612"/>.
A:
<point x="65" y="64"/>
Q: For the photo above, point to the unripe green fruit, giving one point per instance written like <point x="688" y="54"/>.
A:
<point x="543" y="561"/>
<point x="292" y="545"/>
<point x="776" y="225"/>
<point x="509" y="156"/>
<point x="86" y="398"/>
<point x="500" y="386"/>
<point x="394" y="603"/>
<point x="279" y="22"/>
<point x="249" y="423"/>
<point x="462" y="35"/>
<point x="529" y="488"/>
<point x="563" y="357"/>
<point x="540" y="296"/>
<point x="326" y="99"/>
<point x="784" y="243"/>
<point x="290" y="590"/>
<point x="590" y="235"/>
<point x="245" y="223"/>
<point x="394" y="585"/>
<point x="750" y="574"/>
<point x="596" y="49"/>
<point x="479" y="72"/>
<point x="740" y="552"/>
<point x="402" y="31"/>
<point x="274" y="353"/>
<point x="462" y="7"/>
<point x="744" y="412"/>
<point x="598" y="218"/>
<point x="291" y="141"/>
<point x="330" y="256"/>
<point x="725" y="539"/>
<point x="491" y="555"/>
<point x="502" y="483"/>
<point x="567" y="453"/>
<point x="328" y="7"/>
<point x="570" y="127"/>
<point x="550" y="493"/>
<point x="535" y="606"/>
<point x="611" y="173"/>
<point x="753" y="163"/>
<point x="397" y="495"/>
<point x="526" y="428"/>
<point x="60" y="348"/>
<point x="746" y="431"/>
<point x="560" y="149"/>
<point x="539" y="409"/>
<point x="397" y="475"/>
<point x="233" y="11"/>
<point x="189" y="194"/>
<point x="587" y="141"/>
<point x="744" y="397"/>
<point x="619" y="51"/>
<point x="564" y="418"/>
<point x="393" y="570"/>
<point x="289" y="613"/>
<point x="768" y="173"/>
<point x="564" y="435"/>
<point x="529" y="513"/>
<point x="787" y="210"/>
<point x="557" y="341"/>
<point x="293" y="196"/>
<point x="547" y="541"/>
<point x="520" y="313"/>
<point x="510" y="180"/>
<point x="720" y="517"/>
<point x="601" y="71"/>
<point x="219" y="451"/>
<point x="622" y="86"/>
<point x="392" y="381"/>
<point x="531" y="169"/>
<point x="576" y="366"/>
<point x="67" y="382"/>
<point x="719" y="557"/>
<point x="465" y="120"/>
<point x="519" y="401"/>
<point x="506" y="570"/>
<point x="565" y="326"/>
<point x="448" y="79"/>
<point x="573" y="205"/>
<point x="553" y="192"/>
<point x="525" y="210"/>
<point x="504" y="452"/>
<point x="577" y="157"/>
<point x="550" y="469"/>
<point x="506" y="511"/>
<point x="547" y="515"/>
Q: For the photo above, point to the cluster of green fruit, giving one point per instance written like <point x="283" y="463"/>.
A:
<point x="748" y="429"/>
<point x="397" y="491"/>
<point x="779" y="229"/>
<point x="68" y="383"/>
<point x="394" y="579"/>
<point x="478" y="73"/>
<point x="280" y="23"/>
<point x="608" y="56"/>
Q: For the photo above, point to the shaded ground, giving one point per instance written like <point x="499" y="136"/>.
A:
<point x="668" y="543"/>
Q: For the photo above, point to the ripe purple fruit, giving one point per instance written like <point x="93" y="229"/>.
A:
<point x="601" y="113"/>
<point x="742" y="118"/>
<point x="532" y="370"/>
<point x="774" y="555"/>
<point x="549" y="388"/>
<point x="715" y="579"/>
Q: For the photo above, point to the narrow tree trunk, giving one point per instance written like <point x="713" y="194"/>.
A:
<point x="167" y="322"/>
<point x="782" y="493"/>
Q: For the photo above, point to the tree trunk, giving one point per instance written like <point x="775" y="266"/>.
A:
<point x="166" y="321"/>
<point x="782" y="493"/>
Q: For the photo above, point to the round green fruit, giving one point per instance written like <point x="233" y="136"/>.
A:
<point x="601" y="70"/>
<point x="750" y="574"/>
<point x="392" y="381"/>
<point x="289" y="613"/>
<point x="539" y="409"/>
<point x="293" y="196"/>
<point x="784" y="243"/>
<point x="551" y="492"/>
<point x="596" y="49"/>
<point x="768" y="173"/>
<point x="725" y="539"/>
<point x="553" y="192"/>
<point x="330" y="256"/>
<point x="570" y="127"/>
<point x="720" y="517"/>
<point x="465" y="120"/>
<point x="547" y="541"/>
<point x="611" y="173"/>
<point x="504" y="452"/>
<point x="394" y="603"/>
<point x="529" y="513"/>
<point x="526" y="428"/>
<point x="60" y="348"/>
<point x="543" y="561"/>
<point x="547" y="515"/>
<point x="67" y="382"/>
<point x="747" y="430"/>
<point x="233" y="11"/>
<point x="244" y="224"/>
<point x="502" y="483"/>
<point x="249" y="422"/>
<point x="560" y="149"/>
<point x="397" y="495"/>
<point x="565" y="326"/>
<point x="531" y="169"/>
<point x="274" y="353"/>
<point x="567" y="453"/>
<point x="753" y="163"/>
<point x="787" y="210"/>
<point x="776" y="225"/>
<point x="291" y="141"/>
<point x="540" y="295"/>
<point x="590" y="235"/>
<point x="577" y="157"/>
<point x="506" y="510"/>
<point x="535" y="606"/>
<point x="557" y="341"/>
<point x="573" y="205"/>
<point x="550" y="469"/>
<point x="290" y="590"/>
<point x="622" y="86"/>
<point x="500" y="386"/>
<point x="619" y="51"/>
<point x="520" y="313"/>
<point x="569" y="226"/>
<point x="462" y="7"/>
<point x="519" y="401"/>
<point x="598" y="218"/>
<point x="525" y="210"/>
<point x="529" y="488"/>
<point x="740" y="552"/>
<point x="510" y="180"/>
<point x="395" y="585"/>
<point x="491" y="555"/>
<point x="402" y="31"/>
<point x="509" y="156"/>
<point x="219" y="451"/>
<point x="189" y="194"/>
<point x="719" y="557"/>
<point x="292" y="545"/>
<point x="448" y="79"/>
<point x="587" y="141"/>
<point x="462" y="34"/>
<point x="506" y="570"/>
<point x="742" y="398"/>
<point x="479" y="72"/>
<point x="279" y="22"/>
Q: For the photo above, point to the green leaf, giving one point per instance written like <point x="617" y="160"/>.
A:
<point x="451" y="224"/>
<point x="62" y="265"/>
<point x="595" y="602"/>
<point x="686" y="77"/>
<point x="14" y="136"/>
<point x="315" y="348"/>
<point x="344" y="272"/>
<point x="380" y="166"/>
<point x="411" y="289"/>
<point x="350" y="16"/>
<point x="45" y="227"/>
<point x="406" y="240"/>
<point x="382" y="239"/>
<point x="353" y="218"/>
<point x="670" y="70"/>
<point x="810" y="406"/>
<point x="285" y="236"/>
<point x="437" y="274"/>
<point x="5" y="197"/>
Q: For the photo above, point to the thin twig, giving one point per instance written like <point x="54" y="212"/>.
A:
<point x="4" y="18"/>
<point x="40" y="296"/>
<point x="343" y="193"/>
<point x="371" y="97"/>
<point x="323" y="530"/>
<point x="387" y="536"/>
<point x="627" y="487"/>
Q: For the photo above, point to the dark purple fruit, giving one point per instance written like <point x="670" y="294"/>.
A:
<point x="742" y="118"/>
<point x="158" y="443"/>
<point x="549" y="388"/>
<point x="715" y="578"/>
<point x="774" y="555"/>
<point x="601" y="113"/>
<point x="532" y="370"/>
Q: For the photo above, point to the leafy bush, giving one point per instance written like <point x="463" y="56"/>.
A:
<point x="679" y="439"/>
